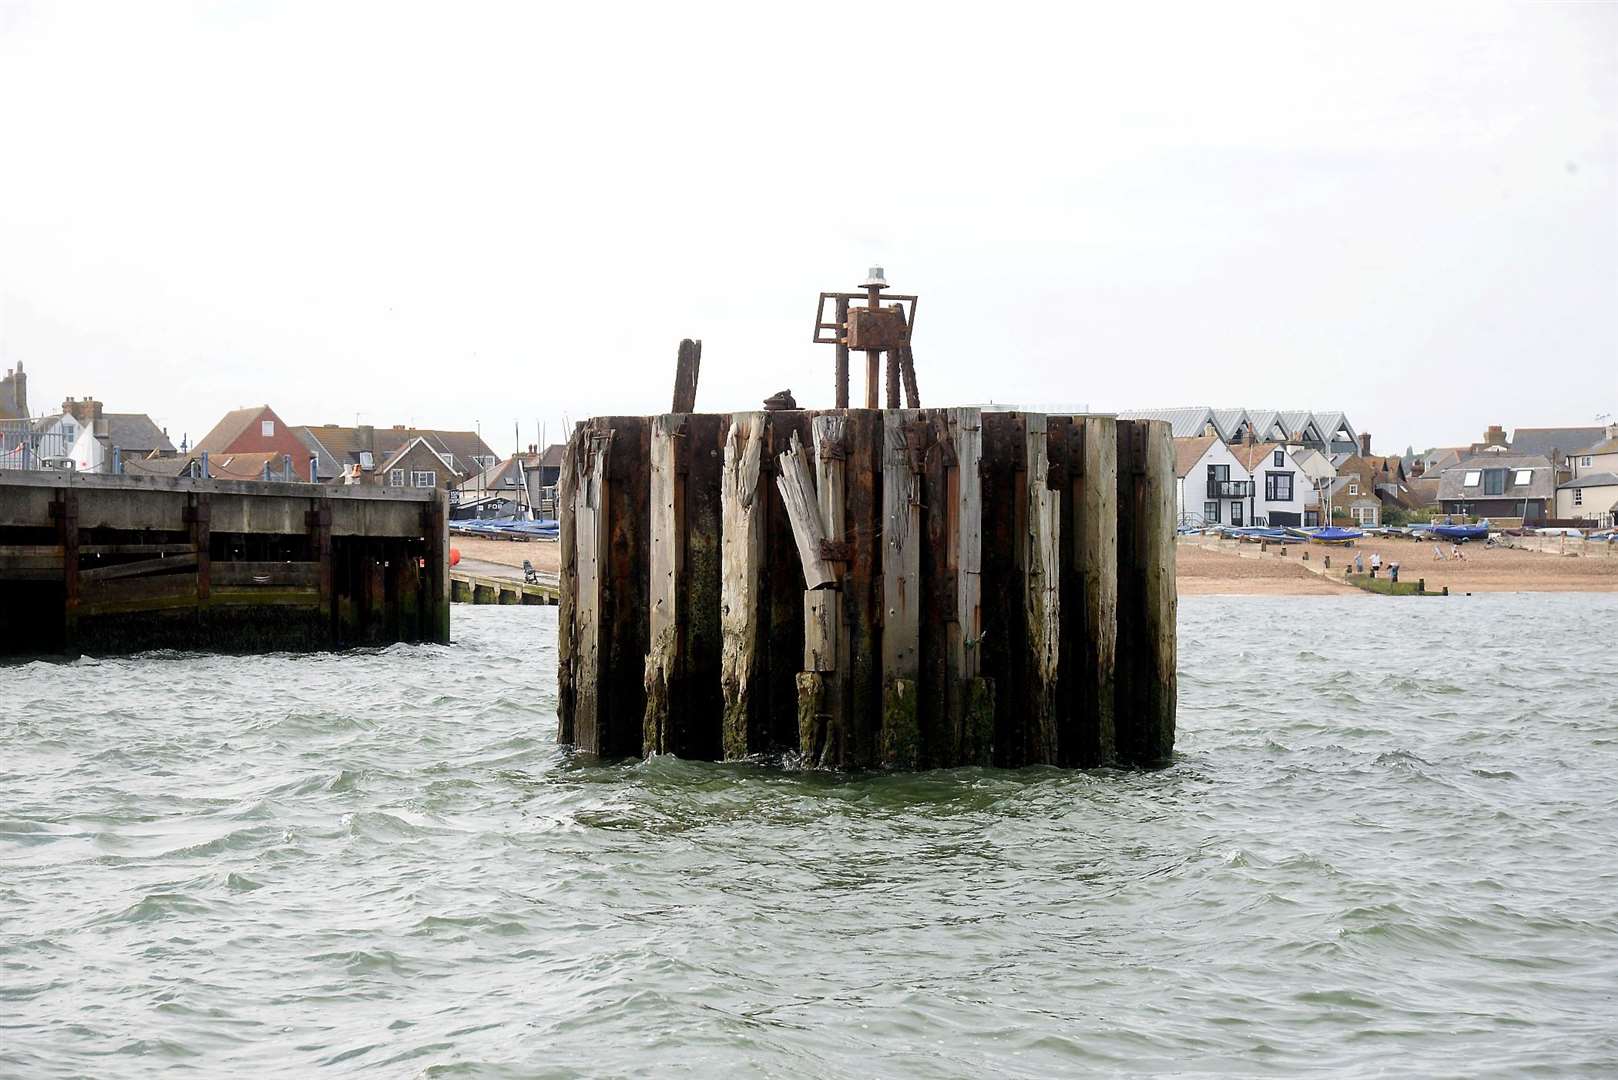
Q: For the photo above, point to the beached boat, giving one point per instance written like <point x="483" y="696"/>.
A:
<point x="1460" y="532"/>
<point x="1328" y="534"/>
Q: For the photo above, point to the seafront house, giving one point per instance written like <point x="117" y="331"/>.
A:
<point x="1592" y="497"/>
<point x="416" y="464"/>
<point x="1325" y="432"/>
<point x="1556" y="444"/>
<point x="1211" y="487"/>
<point x="1600" y="457"/>
<point x="1282" y="491"/>
<point x="106" y="440"/>
<point x="245" y="440"/>
<point x="342" y="452"/>
<point x="1499" y="484"/>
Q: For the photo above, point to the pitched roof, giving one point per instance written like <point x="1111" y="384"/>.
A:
<point x="1591" y="480"/>
<point x="1297" y="421"/>
<point x="1187" y="452"/>
<point x="1541" y="482"/>
<point x="1423" y="491"/>
<point x="343" y="445"/>
<point x="1550" y="441"/>
<point x="229" y="429"/>
<point x="553" y="456"/>
<point x="392" y="460"/>
<point x="1610" y="446"/>
<point x="1230" y="422"/>
<point x="172" y="465"/>
<point x="1331" y="423"/>
<point x="246" y="466"/>
<point x="133" y="431"/>
<point x="1187" y="422"/>
<point x="1255" y="456"/>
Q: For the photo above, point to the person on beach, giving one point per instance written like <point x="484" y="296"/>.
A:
<point x="1455" y="552"/>
<point x="1438" y="553"/>
<point x="1376" y="562"/>
<point x="1359" y="562"/>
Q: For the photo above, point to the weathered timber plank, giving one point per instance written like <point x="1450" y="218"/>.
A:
<point x="964" y="495"/>
<point x="699" y="699"/>
<point x="163" y="564"/>
<point x="591" y="449"/>
<point x="624" y="642"/>
<point x="134" y="591"/>
<point x="1144" y="712"/>
<point x="862" y="582"/>
<point x="939" y="747"/>
<point x="901" y="585"/>
<point x="667" y="538"/>
<point x="1156" y="536"/>
<point x="742" y="524"/>
<point x="783" y="588"/>
<point x="1002" y="649"/>
<point x="687" y="365"/>
<point x="797" y="486"/>
<point x="1042" y="596"/>
<point x="133" y="549"/>
<point x="1093" y="473"/>
<point x="829" y="745"/>
<point x="567" y="638"/>
<point x="822" y="611"/>
<point x="270" y="575"/>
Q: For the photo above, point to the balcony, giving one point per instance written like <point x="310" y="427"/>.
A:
<point x="1230" y="489"/>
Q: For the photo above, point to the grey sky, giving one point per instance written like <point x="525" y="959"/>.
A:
<point x="453" y="213"/>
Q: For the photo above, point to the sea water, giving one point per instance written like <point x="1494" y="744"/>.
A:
<point x="1388" y="845"/>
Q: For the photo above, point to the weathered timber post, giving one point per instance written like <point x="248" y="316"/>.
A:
<point x="610" y="507"/>
<point x="65" y="509"/>
<point x="199" y="516"/>
<point x="1041" y="595"/>
<point x="862" y="582"/>
<point x="901" y="589"/>
<point x="683" y="667"/>
<point x="687" y="364"/>
<point x="317" y="524"/>
<point x="1093" y="571"/>
<point x="971" y="697"/>
<point x="823" y="685"/>
<point x="437" y="581"/>
<point x="567" y="640"/>
<point x="743" y="496"/>
<point x="1146" y="674"/>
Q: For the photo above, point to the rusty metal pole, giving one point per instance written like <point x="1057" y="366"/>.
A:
<point x="842" y="352"/>
<point x="873" y="294"/>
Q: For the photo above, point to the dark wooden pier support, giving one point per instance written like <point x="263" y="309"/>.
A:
<point x="893" y="589"/>
<point x="110" y="564"/>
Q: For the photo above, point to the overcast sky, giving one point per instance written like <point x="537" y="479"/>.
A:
<point x="458" y="213"/>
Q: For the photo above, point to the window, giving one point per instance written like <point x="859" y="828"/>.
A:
<point x="1280" y="458"/>
<point x="1585" y="462"/>
<point x="1278" y="487"/>
<point x="1353" y="487"/>
<point x="1523" y="477"/>
<point x="1578" y="496"/>
<point x="266" y="428"/>
<point x="1494" y="481"/>
<point x="1210" y="511"/>
<point x="1471" y="478"/>
<point x="423" y="478"/>
<point x="396" y="478"/>
<point x="366" y="460"/>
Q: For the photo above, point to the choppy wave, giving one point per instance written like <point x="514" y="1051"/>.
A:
<point x="1389" y="846"/>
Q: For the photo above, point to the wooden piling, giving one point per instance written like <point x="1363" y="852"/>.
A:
<point x="1145" y="665"/>
<point x="823" y="723"/>
<point x="1089" y="602"/>
<point x="683" y="668"/>
<point x="744" y="616"/>
<point x="569" y="588"/>
<point x="901" y="590"/>
<point x="687" y="365"/>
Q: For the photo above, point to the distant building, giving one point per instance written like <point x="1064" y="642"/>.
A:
<point x="1327" y="432"/>
<point x="338" y="449"/>
<point x="14" y="394"/>
<point x="1602" y="456"/>
<point x="1555" y="444"/>
<point x="255" y="430"/>
<point x="1211" y="486"/>
<point x="415" y="464"/>
<point x="1593" y="497"/>
<point x="1499" y="484"/>
<point x="1283" y="492"/>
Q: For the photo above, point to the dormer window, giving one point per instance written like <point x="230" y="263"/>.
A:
<point x="1280" y="458"/>
<point x="366" y="460"/>
<point x="1523" y="477"/>
<point x="266" y="428"/>
<point x="1472" y="478"/>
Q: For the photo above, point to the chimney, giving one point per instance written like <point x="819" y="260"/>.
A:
<point x="1208" y="429"/>
<point x="86" y="411"/>
<point x="1252" y="437"/>
<point x="1418" y="467"/>
<point x="1365" y="444"/>
<point x="365" y="435"/>
<point x="1495" y="436"/>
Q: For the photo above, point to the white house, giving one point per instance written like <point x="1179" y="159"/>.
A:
<point x="1211" y="487"/>
<point x="1283" y="491"/>
<point x="1593" y="497"/>
<point x="1599" y="458"/>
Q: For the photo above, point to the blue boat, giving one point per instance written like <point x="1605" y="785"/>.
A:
<point x="1460" y="532"/>
<point x="1328" y="534"/>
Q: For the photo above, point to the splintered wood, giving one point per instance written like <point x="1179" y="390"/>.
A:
<point x="895" y="589"/>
